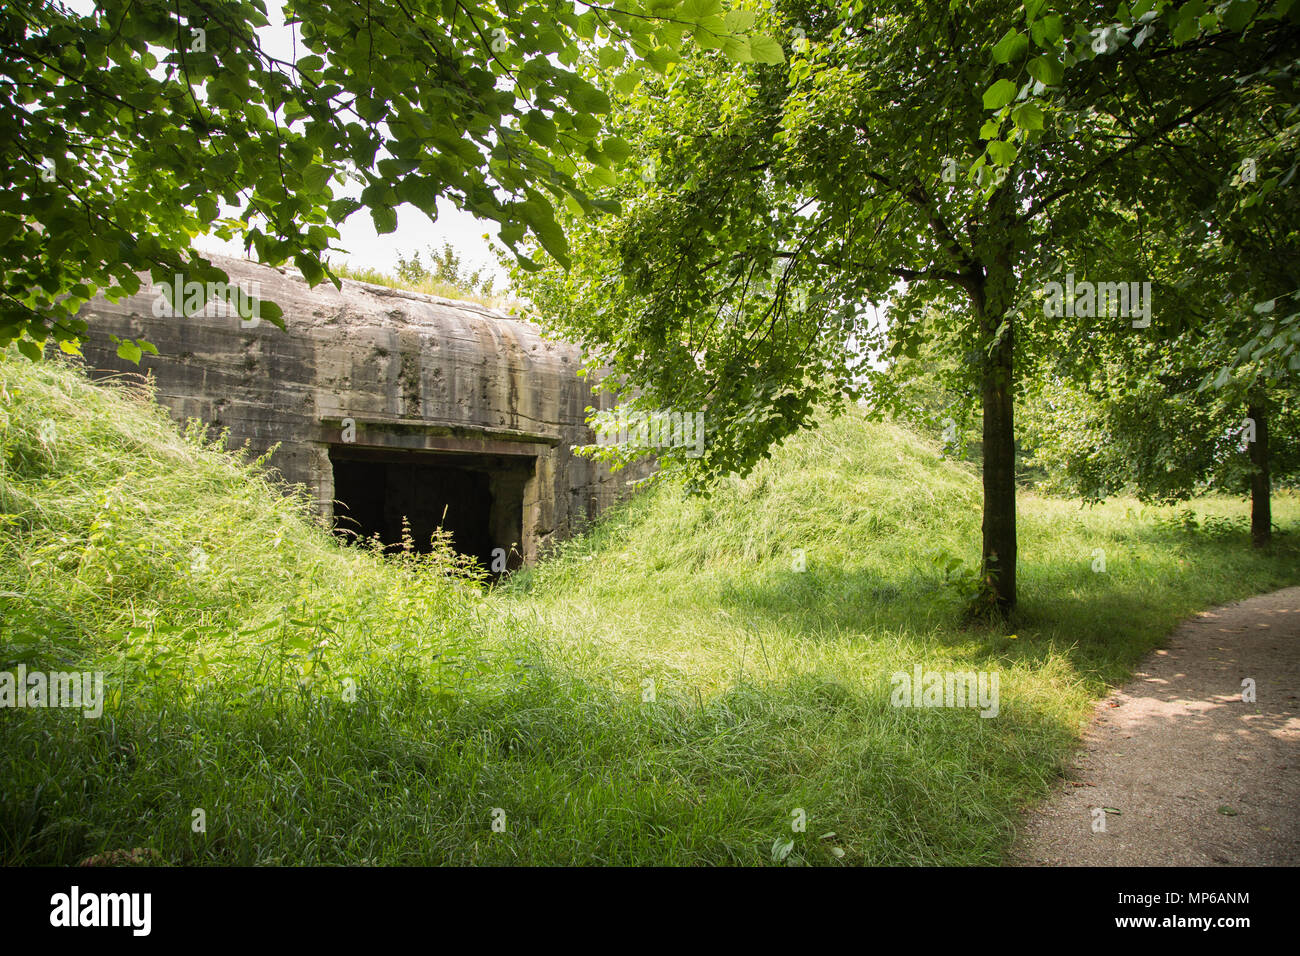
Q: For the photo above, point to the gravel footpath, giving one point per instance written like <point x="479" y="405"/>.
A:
<point x="1199" y="776"/>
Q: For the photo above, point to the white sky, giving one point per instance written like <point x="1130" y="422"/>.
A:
<point x="364" y="247"/>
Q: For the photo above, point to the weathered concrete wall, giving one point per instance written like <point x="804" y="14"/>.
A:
<point x="411" y="371"/>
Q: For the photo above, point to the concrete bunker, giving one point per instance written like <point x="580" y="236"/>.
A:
<point x="384" y="403"/>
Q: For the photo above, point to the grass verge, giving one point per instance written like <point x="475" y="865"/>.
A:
<point x="666" y="689"/>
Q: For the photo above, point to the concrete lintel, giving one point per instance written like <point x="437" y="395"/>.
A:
<point x="438" y="436"/>
<point x="451" y="443"/>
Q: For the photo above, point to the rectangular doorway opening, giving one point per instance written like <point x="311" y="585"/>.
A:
<point x="478" y="498"/>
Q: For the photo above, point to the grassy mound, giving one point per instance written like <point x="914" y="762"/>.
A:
<point x="669" y="688"/>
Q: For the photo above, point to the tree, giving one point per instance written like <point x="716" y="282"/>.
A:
<point x="1220" y="215"/>
<point x="1224" y="177"/>
<point x="124" y="130"/>
<point x="902" y="142"/>
<point x="1174" y="411"/>
<point x="1140" y="423"/>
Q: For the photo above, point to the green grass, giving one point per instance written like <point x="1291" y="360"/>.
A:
<point x="323" y="704"/>
<point x="428" y="286"/>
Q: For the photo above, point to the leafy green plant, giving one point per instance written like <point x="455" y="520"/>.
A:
<point x="446" y="266"/>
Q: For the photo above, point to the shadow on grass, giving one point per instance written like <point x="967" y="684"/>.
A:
<point x="1102" y="622"/>
<point x="574" y="773"/>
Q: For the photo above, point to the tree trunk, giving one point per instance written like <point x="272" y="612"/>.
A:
<point x="1261" y="505"/>
<point x="999" y="555"/>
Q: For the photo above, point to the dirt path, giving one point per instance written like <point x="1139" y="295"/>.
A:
<point x="1199" y="777"/>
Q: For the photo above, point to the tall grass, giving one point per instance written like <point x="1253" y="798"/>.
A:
<point x="666" y="689"/>
<point x="429" y="285"/>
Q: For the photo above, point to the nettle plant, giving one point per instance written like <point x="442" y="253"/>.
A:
<point x="129" y="130"/>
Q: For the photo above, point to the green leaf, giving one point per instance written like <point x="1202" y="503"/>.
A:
<point x="616" y="149"/>
<point x="999" y="94"/>
<point x="626" y="82"/>
<point x="738" y="21"/>
<point x="549" y="41"/>
<point x="130" y="352"/>
<point x="1047" y="31"/>
<point x="271" y="312"/>
<point x="1002" y="153"/>
<point x="710" y="34"/>
<point x="315" y="178"/>
<point x="765" y="49"/>
<point x="610" y="57"/>
<point x="1188" y="23"/>
<point x="697" y="10"/>
<point x="310" y="268"/>
<point x="539" y="217"/>
<point x="540" y="128"/>
<point x="586" y="98"/>
<point x="602" y="176"/>
<point x="371" y="109"/>
<point x="385" y="218"/>
<point x="1239" y="14"/>
<point x="737" y="50"/>
<point x="659" y="58"/>
<point x="1046" y="69"/>
<point x="1011" y="47"/>
<point x="340" y="209"/>
<point x="1027" y="116"/>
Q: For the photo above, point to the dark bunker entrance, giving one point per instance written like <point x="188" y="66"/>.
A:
<point x="478" y="498"/>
